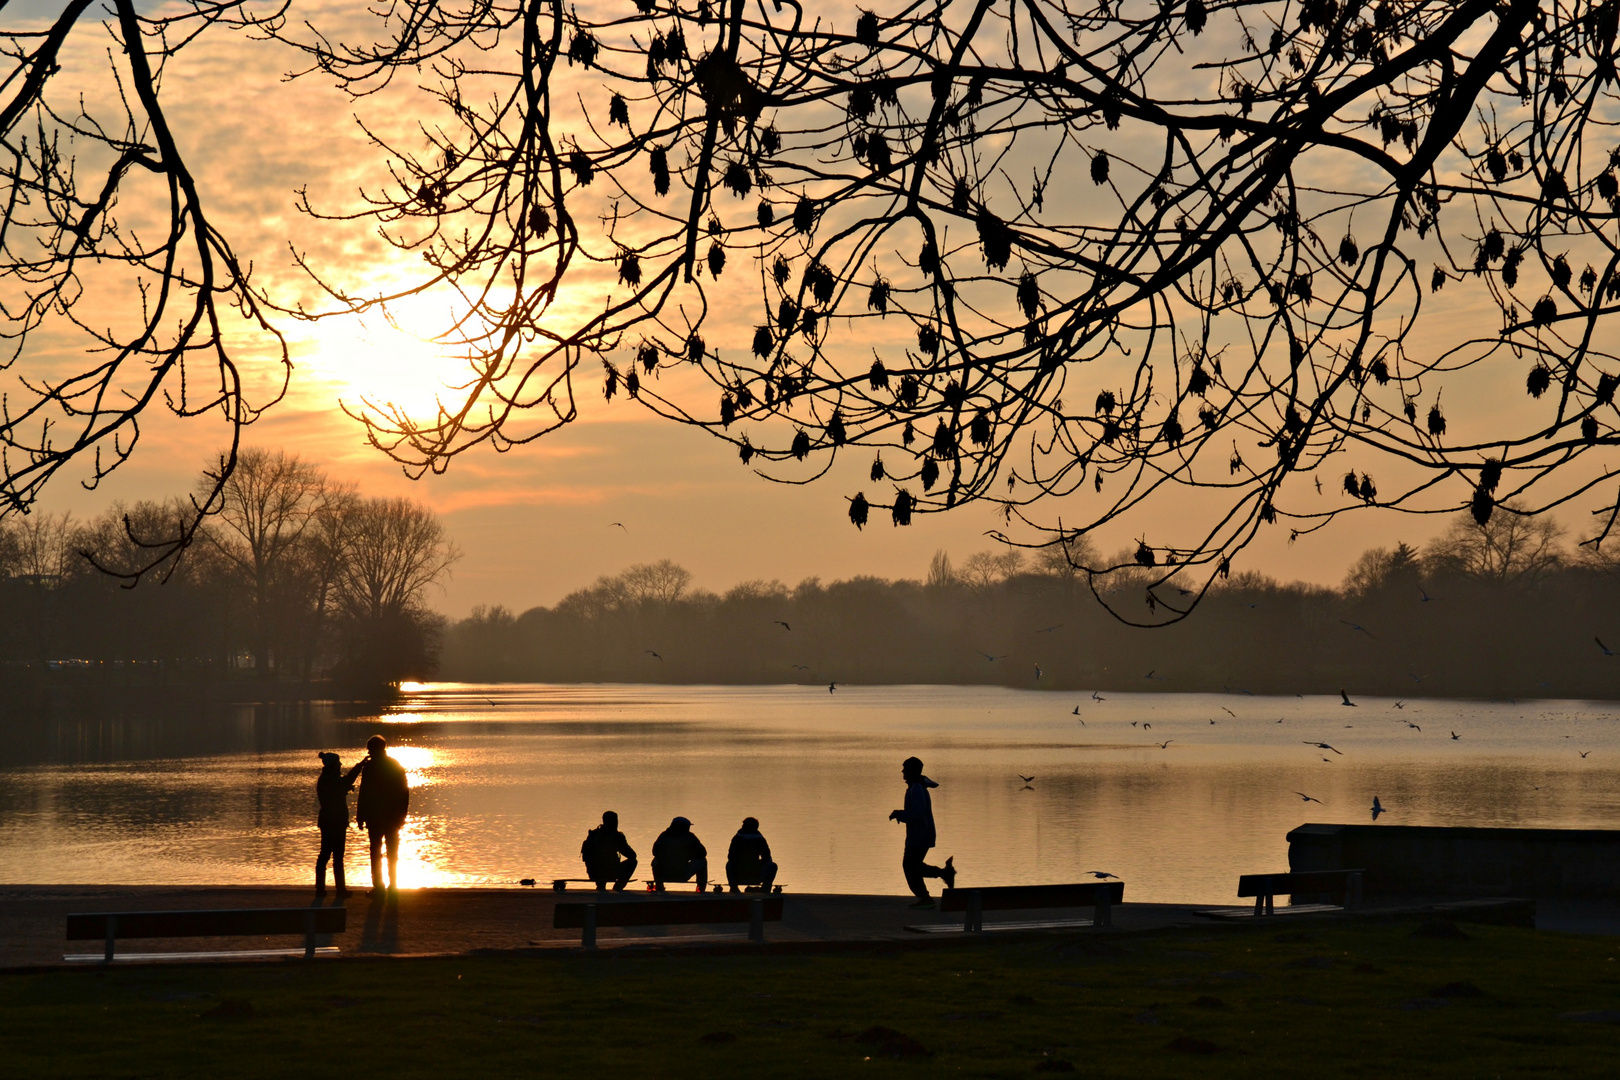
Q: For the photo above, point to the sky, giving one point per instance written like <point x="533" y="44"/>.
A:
<point x="538" y="521"/>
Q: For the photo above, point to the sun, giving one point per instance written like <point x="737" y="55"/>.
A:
<point x="379" y="365"/>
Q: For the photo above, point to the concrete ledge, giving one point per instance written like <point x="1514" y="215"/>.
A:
<point x="1418" y="860"/>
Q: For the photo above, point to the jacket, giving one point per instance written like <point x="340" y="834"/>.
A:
<point x="385" y="795"/>
<point x="748" y="851"/>
<point x="332" y="791"/>
<point x="919" y="813"/>
<point x="601" y="851"/>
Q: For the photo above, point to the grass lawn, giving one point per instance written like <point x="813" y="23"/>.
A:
<point x="1363" y="999"/>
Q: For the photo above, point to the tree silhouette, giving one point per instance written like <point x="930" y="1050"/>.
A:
<point x="1064" y="257"/>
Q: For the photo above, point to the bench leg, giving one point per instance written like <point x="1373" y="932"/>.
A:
<point x="1352" y="891"/>
<point x="756" y="921"/>
<point x="1259" y="903"/>
<point x="1103" y="914"/>
<point x="112" y="934"/>
<point x="973" y="920"/>
<point x="1271" y="904"/>
<point x="309" y="934"/>
<point x="588" y="938"/>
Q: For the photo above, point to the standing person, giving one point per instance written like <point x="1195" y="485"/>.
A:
<point x="748" y="862"/>
<point x="332" y="792"/>
<point x="678" y="855"/>
<point x="385" y="799"/>
<point x="918" y="817"/>
<point x="601" y="850"/>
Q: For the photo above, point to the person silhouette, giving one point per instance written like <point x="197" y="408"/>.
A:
<point x="678" y="855"/>
<point x="601" y="850"/>
<point x="332" y="789"/>
<point x="748" y="861"/>
<point x="918" y="818"/>
<point x="384" y="802"/>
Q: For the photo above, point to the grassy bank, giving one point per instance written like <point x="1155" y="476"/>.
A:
<point x="1344" y="1000"/>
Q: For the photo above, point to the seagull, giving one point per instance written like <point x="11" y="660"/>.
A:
<point x="1077" y="710"/>
<point x="1583" y="753"/>
<point x="1606" y="650"/>
<point x="1377" y="808"/>
<point x="1307" y="798"/>
<point x="1214" y="721"/>
<point x="988" y="658"/>
<point x="1097" y="697"/>
<point x="831" y="687"/>
<point x="652" y="654"/>
<point x="1413" y="726"/>
<point x="1426" y="596"/>
<point x="1154" y="674"/>
<point x="1037" y="673"/>
<point x="1322" y="746"/>
<point x="1358" y="626"/>
<point x="1318" y="480"/>
<point x="1146" y="726"/>
<point x="1345" y="698"/>
<point x="1399" y="705"/>
<point x="1049" y="629"/>
<point x="1228" y="712"/>
<point x="617" y="525"/>
<point x="1135" y="722"/>
<point x="1101" y="875"/>
<point x="783" y="625"/>
<point x="1455" y="736"/>
<point x="1028" y="780"/>
<point x="491" y="701"/>
<point x="1164" y="745"/>
<point x="801" y="667"/>
<point x="1414" y="678"/>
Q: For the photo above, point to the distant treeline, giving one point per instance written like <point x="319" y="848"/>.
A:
<point x="297" y="578"/>
<point x="1501" y="610"/>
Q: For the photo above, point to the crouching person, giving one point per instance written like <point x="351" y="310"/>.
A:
<point x="601" y="850"/>
<point x="678" y="856"/>
<point x="748" y="862"/>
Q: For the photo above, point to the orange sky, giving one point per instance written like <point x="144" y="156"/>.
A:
<point x="535" y="523"/>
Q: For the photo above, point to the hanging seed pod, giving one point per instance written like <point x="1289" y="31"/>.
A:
<point x="1560" y="273"/>
<point x="787" y="316"/>
<point x="1588" y="279"/>
<point x="1351" y="486"/>
<point x="1111" y="432"/>
<point x="1301" y="287"/>
<point x="745" y="398"/>
<point x="1545" y="311"/>
<point x="877" y="469"/>
<point x="1510" y="267"/>
<point x="979" y="429"/>
<point x="1208" y="417"/>
<point x="1106" y="403"/>
<point x="780" y="271"/>
<point x="908" y="434"/>
<point x="630" y="269"/>
<point x="610" y="380"/>
<point x="858" y="508"/>
<point x="766" y="215"/>
<point x="583" y="49"/>
<point x="835" y="428"/>
<point x="996" y="239"/>
<point x="1349" y="253"/>
<point x="1604" y="394"/>
<point x="908" y="394"/>
<point x="861" y="102"/>
<point x="1607" y="186"/>
<point x="878" y="298"/>
<point x="1029" y="295"/>
<point x="824" y="284"/>
<point x="902" y="508"/>
<point x="632" y="382"/>
<point x="1437" y="420"/>
<point x="801" y="446"/>
<point x="1099" y="168"/>
<point x="808" y="322"/>
<point x="857" y="145"/>
<point x="1493" y="245"/>
<point x="580" y="165"/>
<point x="1198" y="381"/>
<point x="929" y="474"/>
<point x="539" y="221"/>
<point x="737" y="179"/>
<point x="878" y="376"/>
<point x="1437" y="280"/>
<point x="959" y="197"/>
<point x="1539" y="379"/>
<point x="1380" y="371"/>
<point x="647" y="356"/>
<point x="770" y="142"/>
<point x="1144" y="554"/>
<point x="1172" y="431"/>
<point x="866" y="29"/>
<point x="717" y="259"/>
<point x="927" y="340"/>
<point x="1496" y="164"/>
<point x="658" y="163"/>
<point x="763" y="342"/>
<point x="944" y="443"/>
<point x="878" y="155"/>
<point x="1196" y="15"/>
<point x="928" y="259"/>
<point x="1410" y="409"/>
<point x="954" y="395"/>
<point x="1481" y="506"/>
<point x="618" y="111"/>
<point x="1490" y="474"/>
<point x="695" y="349"/>
<point x="745" y="451"/>
<point x="1369" y="490"/>
<point x="1554" y="186"/>
<point x="804" y="214"/>
<point x="1589" y="429"/>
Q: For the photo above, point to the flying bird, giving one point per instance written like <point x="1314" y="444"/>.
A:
<point x="1606" y="650"/>
<point x="1414" y="678"/>
<point x="1358" y="626"/>
<point x="1077" y="710"/>
<point x="1307" y="798"/>
<point x="1345" y="698"/>
<point x="783" y="625"/>
<point x="652" y="654"/>
<point x="1037" y="673"/>
<point x="1377" y="808"/>
<point x="1101" y="875"/>
<point x="1228" y="712"/>
<point x="801" y="667"/>
<point x="1048" y="629"/>
<point x="831" y="687"/>
<point x="1399" y="705"/>
<point x="1426" y="596"/>
<point x="617" y="525"/>
<point x="1028" y="782"/>
<point x="1164" y="745"/>
<point x="1413" y="726"/>
<point x="1323" y="746"/>
<point x="1583" y="753"/>
<point x="1214" y="721"/>
<point x="1318" y="480"/>
<point x="1146" y="726"/>
<point x="1135" y="722"/>
<point x="1097" y="697"/>
<point x="1153" y="674"/>
<point x="988" y="658"/>
<point x="1455" y="736"/>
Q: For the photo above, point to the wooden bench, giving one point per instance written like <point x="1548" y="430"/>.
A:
<point x="1265" y="888"/>
<point x="1100" y="896"/>
<point x="109" y="926"/>
<point x="587" y="917"/>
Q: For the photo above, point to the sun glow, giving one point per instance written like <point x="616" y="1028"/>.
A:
<point x="378" y="365"/>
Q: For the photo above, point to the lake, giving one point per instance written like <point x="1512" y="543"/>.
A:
<point x="508" y="778"/>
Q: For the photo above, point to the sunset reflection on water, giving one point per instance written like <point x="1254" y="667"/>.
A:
<point x="507" y="779"/>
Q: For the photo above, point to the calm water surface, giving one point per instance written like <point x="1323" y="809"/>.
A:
<point x="508" y="778"/>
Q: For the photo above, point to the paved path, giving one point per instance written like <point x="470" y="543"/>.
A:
<point x="440" y="921"/>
